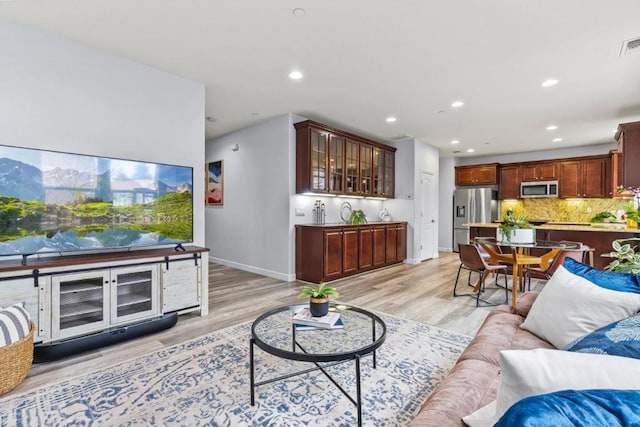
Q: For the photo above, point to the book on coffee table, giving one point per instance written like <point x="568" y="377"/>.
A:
<point x="304" y="317"/>
<point x="338" y="325"/>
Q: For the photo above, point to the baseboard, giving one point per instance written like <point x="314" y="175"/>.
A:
<point x="257" y="270"/>
<point x="445" y="249"/>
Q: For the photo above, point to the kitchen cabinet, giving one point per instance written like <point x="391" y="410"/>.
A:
<point x="365" y="248"/>
<point x="510" y="179"/>
<point x="539" y="171"/>
<point x="349" y="251"/>
<point x="391" y="250"/>
<point x="379" y="245"/>
<point x="587" y="177"/>
<point x="325" y="253"/>
<point x="332" y="254"/>
<point x="486" y="174"/>
<point x="336" y="162"/>
<point x="628" y="152"/>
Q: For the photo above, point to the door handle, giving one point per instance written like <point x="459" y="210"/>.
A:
<point x="433" y="220"/>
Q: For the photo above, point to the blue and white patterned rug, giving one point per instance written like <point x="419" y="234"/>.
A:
<point x="205" y="382"/>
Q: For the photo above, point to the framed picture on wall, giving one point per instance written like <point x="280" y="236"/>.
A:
<point x="215" y="181"/>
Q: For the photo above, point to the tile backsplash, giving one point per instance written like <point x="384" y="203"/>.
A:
<point x="564" y="210"/>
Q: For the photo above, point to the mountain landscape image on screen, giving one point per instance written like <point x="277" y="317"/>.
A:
<point x="58" y="202"/>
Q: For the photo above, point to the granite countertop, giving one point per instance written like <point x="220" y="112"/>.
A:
<point x="568" y="226"/>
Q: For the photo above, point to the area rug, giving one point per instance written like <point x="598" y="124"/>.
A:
<point x="205" y="382"/>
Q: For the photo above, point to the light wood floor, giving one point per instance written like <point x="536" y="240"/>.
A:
<point x="420" y="292"/>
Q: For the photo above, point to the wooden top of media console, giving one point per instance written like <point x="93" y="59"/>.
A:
<point x="50" y="261"/>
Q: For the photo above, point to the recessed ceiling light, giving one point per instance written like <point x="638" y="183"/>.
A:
<point x="470" y="150"/>
<point x="549" y="82"/>
<point x="455" y="141"/>
<point x="391" y="119"/>
<point x="457" y="104"/>
<point x="551" y="127"/>
<point x="298" y="11"/>
<point x="295" y="75"/>
<point x="557" y="139"/>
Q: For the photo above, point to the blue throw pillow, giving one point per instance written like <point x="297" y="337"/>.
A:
<point x="570" y="408"/>
<point x="620" y="338"/>
<point x="623" y="282"/>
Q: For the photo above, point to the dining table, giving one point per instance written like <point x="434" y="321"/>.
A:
<point x="520" y="256"/>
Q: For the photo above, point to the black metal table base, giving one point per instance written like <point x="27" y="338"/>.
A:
<point x="357" y="401"/>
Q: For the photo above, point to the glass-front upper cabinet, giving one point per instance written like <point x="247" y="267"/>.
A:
<point x="329" y="160"/>
<point x="365" y="169"/>
<point x="378" y="171"/>
<point x="336" y="164"/>
<point x="389" y="174"/>
<point x="351" y="167"/>
<point x="319" y="141"/>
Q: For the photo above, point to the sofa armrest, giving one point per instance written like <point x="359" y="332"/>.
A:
<point x="525" y="302"/>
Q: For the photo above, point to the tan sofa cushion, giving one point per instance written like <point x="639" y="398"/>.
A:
<point x="470" y="385"/>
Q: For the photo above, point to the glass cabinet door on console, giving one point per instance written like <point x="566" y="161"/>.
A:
<point x="133" y="294"/>
<point x="336" y="164"/>
<point x="80" y="303"/>
<point x="319" y="142"/>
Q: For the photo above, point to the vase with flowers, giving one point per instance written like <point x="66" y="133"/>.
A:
<point x="632" y="210"/>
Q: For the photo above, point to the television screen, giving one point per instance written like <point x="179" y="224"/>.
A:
<point x="59" y="202"/>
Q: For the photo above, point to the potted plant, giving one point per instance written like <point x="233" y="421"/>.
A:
<point x="318" y="298"/>
<point x="516" y="229"/>
<point x="627" y="260"/>
<point x="358" y="217"/>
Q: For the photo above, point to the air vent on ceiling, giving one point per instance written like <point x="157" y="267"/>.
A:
<point x="401" y="137"/>
<point x="630" y="46"/>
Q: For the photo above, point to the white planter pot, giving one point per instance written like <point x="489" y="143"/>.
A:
<point x="519" y="235"/>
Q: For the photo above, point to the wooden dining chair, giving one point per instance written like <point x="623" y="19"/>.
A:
<point x="472" y="261"/>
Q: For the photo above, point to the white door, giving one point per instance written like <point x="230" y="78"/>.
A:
<point x="428" y="212"/>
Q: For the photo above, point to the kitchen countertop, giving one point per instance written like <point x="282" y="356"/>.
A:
<point x="563" y="226"/>
<point x="342" y="224"/>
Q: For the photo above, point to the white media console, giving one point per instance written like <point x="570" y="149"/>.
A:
<point x="74" y="296"/>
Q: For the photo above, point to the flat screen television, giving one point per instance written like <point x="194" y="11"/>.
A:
<point x="60" y="202"/>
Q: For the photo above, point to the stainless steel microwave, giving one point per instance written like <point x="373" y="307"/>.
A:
<point x="539" y="189"/>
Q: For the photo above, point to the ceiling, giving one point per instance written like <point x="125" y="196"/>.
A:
<point x="365" y="60"/>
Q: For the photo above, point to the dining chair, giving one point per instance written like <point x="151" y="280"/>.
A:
<point x="578" y="253"/>
<point x="472" y="261"/>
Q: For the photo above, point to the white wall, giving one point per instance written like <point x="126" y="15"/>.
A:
<point x="251" y="229"/>
<point x="445" y="204"/>
<point x="59" y="95"/>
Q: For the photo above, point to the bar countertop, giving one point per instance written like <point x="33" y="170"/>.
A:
<point x="600" y="227"/>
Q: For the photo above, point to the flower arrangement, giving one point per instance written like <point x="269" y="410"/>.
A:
<point x="632" y="211"/>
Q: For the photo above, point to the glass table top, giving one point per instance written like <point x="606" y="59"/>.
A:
<point x="362" y="333"/>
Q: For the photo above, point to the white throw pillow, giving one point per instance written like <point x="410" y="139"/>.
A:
<point x="527" y="373"/>
<point x="15" y="324"/>
<point x="570" y="307"/>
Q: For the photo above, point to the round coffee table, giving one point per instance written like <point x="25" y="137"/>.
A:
<point x="363" y="333"/>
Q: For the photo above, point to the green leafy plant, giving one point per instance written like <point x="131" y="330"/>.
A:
<point x="357" y="217"/>
<point x="513" y="222"/>
<point x="632" y="213"/>
<point x="321" y="291"/>
<point x="627" y="260"/>
<point x="604" y="216"/>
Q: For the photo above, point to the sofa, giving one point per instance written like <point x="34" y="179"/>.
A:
<point x="569" y="355"/>
<point x="473" y="382"/>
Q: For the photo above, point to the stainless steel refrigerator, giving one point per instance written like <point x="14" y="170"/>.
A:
<point x="473" y="204"/>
